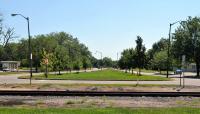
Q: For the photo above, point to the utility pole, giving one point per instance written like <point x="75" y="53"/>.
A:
<point x="168" y="49"/>
<point x="101" y="58"/>
<point x="29" y="44"/>
<point x="169" y="45"/>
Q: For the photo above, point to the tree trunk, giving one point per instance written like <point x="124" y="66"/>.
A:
<point x="36" y="69"/>
<point x="59" y="72"/>
<point x="139" y="72"/>
<point x="126" y="70"/>
<point x="46" y="71"/>
<point x="132" y="71"/>
<point x="197" y="68"/>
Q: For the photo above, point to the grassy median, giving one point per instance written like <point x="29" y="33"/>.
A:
<point x="105" y="75"/>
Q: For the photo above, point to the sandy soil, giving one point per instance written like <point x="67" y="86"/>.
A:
<point x="79" y="87"/>
<point x="99" y="102"/>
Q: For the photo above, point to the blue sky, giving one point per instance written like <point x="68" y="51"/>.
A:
<point x="108" y="26"/>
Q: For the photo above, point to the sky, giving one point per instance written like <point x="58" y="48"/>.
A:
<point x="108" y="26"/>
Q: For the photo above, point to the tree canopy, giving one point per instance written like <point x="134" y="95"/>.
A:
<point x="65" y="50"/>
<point x="187" y="42"/>
<point x="133" y="58"/>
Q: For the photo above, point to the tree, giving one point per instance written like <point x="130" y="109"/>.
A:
<point x="140" y="53"/>
<point x="157" y="47"/>
<point x="65" y="51"/>
<point x="187" y="42"/>
<point x="6" y="33"/>
<point x="182" y="45"/>
<point x="94" y="62"/>
<point x="6" y="36"/>
<point x="1" y="25"/>
<point x="78" y="65"/>
<point x="162" y="44"/>
<point x="107" y="62"/>
<point x="124" y="61"/>
<point x="7" y="49"/>
<point x="47" y="62"/>
<point x="128" y="59"/>
<point x="61" y="58"/>
<point x="86" y="63"/>
<point x="160" y="60"/>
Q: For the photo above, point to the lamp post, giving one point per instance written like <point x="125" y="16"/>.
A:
<point x="101" y="57"/>
<point x="117" y="59"/>
<point x="118" y="56"/>
<point x="169" y="45"/>
<point x="29" y="44"/>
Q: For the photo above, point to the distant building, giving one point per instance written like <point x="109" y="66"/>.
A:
<point x="191" y="67"/>
<point x="9" y="65"/>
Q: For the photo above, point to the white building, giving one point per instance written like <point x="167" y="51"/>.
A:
<point x="9" y="65"/>
<point x="191" y="67"/>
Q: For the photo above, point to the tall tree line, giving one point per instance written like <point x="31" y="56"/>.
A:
<point x="62" y="50"/>
<point x="133" y="58"/>
<point x="185" y="41"/>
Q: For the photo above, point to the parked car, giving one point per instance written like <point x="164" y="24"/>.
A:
<point x="178" y="71"/>
<point x="5" y="69"/>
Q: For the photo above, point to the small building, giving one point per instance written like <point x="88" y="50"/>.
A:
<point x="9" y="65"/>
<point x="191" y="67"/>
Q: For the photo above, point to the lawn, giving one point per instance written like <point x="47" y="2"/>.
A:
<point x="105" y="75"/>
<point x="100" y="111"/>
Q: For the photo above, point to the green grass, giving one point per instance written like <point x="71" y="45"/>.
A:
<point x="100" y="111"/>
<point x="24" y="68"/>
<point x="110" y="75"/>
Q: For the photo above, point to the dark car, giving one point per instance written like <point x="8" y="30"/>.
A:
<point x="178" y="71"/>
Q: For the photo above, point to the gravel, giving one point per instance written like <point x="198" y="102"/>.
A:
<point x="65" y="101"/>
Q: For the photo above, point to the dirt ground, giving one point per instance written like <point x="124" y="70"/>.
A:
<point x="82" y="87"/>
<point x="98" y="102"/>
<point x="85" y="102"/>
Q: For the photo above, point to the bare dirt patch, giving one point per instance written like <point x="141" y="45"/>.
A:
<point x="99" y="102"/>
<point x="90" y="87"/>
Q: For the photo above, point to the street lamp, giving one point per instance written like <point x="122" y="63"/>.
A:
<point x="169" y="44"/>
<point x="101" y="57"/>
<point x="118" y="54"/>
<point x="29" y="44"/>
